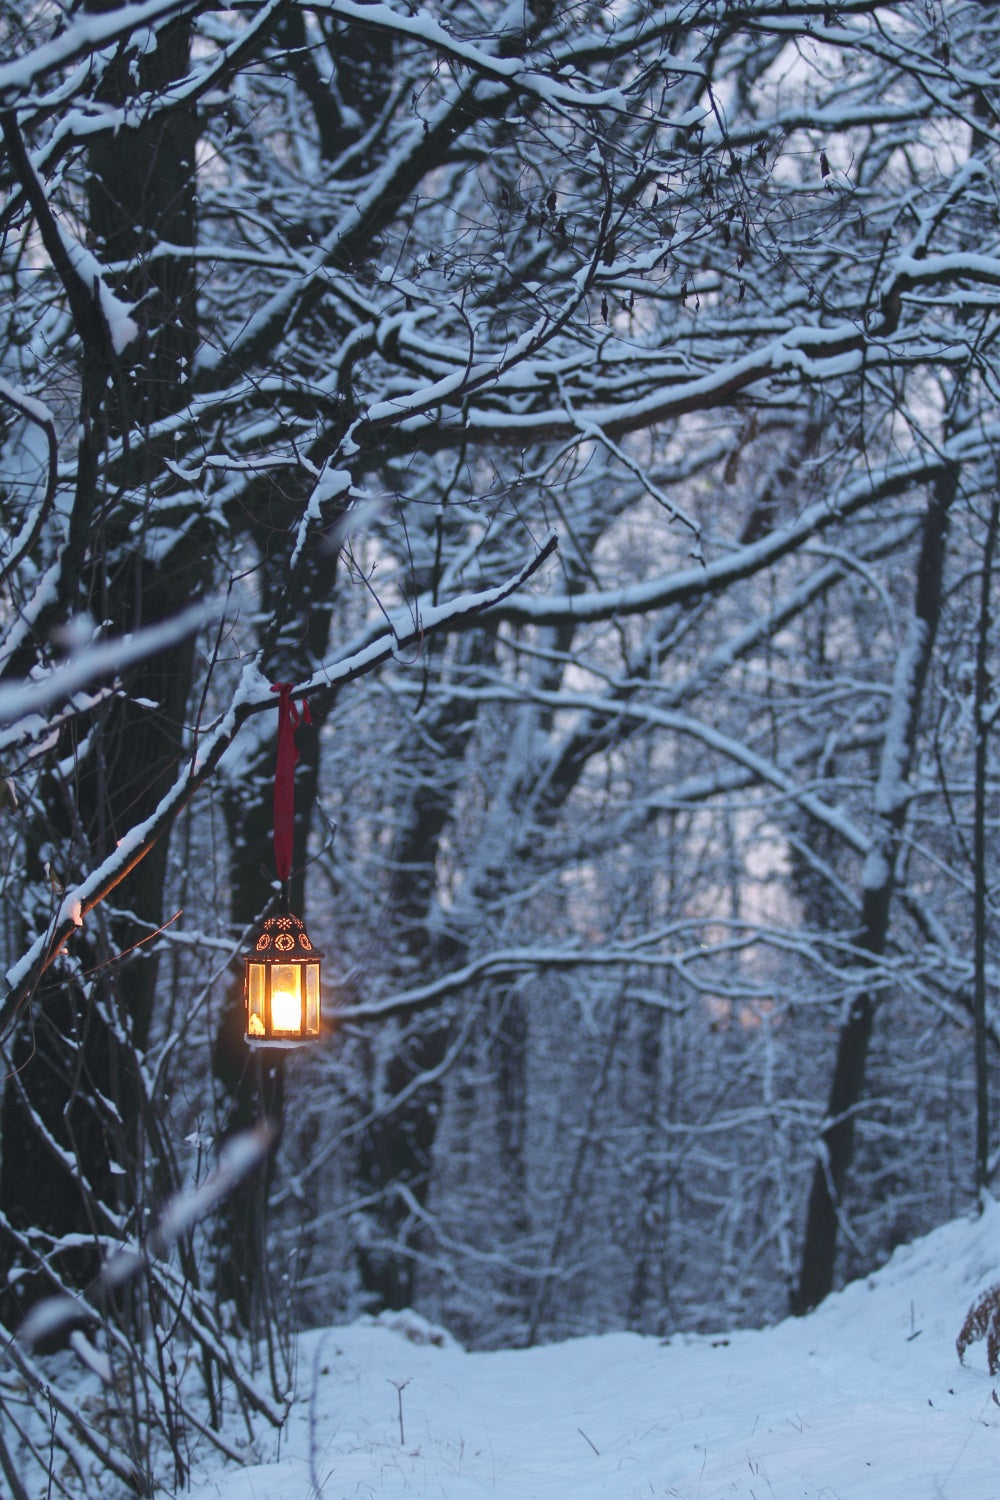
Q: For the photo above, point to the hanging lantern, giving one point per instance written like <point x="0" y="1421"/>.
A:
<point x="281" y="982"/>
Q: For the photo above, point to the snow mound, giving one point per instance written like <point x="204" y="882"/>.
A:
<point x="865" y="1399"/>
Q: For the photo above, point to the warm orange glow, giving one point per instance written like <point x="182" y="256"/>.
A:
<point x="286" y="1011"/>
<point x="282" y="985"/>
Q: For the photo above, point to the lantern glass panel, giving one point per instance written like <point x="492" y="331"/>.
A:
<point x="286" y="1001"/>
<point x="255" y="999"/>
<point x="312" y="999"/>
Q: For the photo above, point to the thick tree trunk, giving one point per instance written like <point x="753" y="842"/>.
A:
<point x="254" y="1082"/>
<point x="77" y="1100"/>
<point x="835" y="1147"/>
<point x="981" y="896"/>
<point x="397" y="1148"/>
<point x="298" y="613"/>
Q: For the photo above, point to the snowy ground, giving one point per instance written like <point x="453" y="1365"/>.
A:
<point x="863" y="1400"/>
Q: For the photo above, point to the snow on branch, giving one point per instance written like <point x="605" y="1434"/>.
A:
<point x="54" y="1316"/>
<point x="253" y="695"/>
<point x="34" y="411"/>
<point x="102" y="321"/>
<point x="419" y="26"/>
<point x="20" y="700"/>
<point x="63" y="1316"/>
<point x="84" y="36"/>
<point x="799" y="354"/>
<point x="419" y="622"/>
<point x="707" y="579"/>
<point x="237" y="1157"/>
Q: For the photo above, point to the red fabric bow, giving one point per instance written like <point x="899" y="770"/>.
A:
<point x="289" y="719"/>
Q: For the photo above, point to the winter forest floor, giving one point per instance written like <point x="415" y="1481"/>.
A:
<point x="863" y="1400"/>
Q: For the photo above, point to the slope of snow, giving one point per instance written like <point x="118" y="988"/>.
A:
<point x="863" y="1400"/>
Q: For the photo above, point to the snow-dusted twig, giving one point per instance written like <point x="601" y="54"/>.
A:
<point x="54" y="1315"/>
<point x="34" y="411"/>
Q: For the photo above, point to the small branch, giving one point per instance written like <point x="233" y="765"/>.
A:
<point x="400" y="1388"/>
<point x="82" y="39"/>
<point x="83" y="301"/>
<point x="7" y="1466"/>
<point x="21" y="699"/>
<point x="32" y="411"/>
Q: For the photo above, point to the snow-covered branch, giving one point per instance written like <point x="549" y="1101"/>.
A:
<point x="252" y="696"/>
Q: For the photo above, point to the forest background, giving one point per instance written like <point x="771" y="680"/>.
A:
<point x="592" y="411"/>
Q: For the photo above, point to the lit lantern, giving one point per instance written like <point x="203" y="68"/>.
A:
<point x="282" y="984"/>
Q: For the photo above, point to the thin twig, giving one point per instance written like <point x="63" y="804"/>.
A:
<point x="400" y="1388"/>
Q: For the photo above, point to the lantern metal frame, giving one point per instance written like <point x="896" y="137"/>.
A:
<point x="282" y="965"/>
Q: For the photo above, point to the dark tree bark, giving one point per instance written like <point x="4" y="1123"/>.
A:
<point x="75" y="1052"/>
<point x="835" y="1147"/>
<point x="253" y="1083"/>
<point x="397" y="1148"/>
<point x="297" y="611"/>
<point x="979" y="874"/>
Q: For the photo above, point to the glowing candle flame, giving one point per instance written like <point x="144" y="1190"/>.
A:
<point x="286" y="1011"/>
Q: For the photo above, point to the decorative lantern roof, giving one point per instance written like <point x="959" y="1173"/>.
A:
<point x="281" y="938"/>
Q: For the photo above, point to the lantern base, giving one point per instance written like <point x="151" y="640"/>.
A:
<point x="275" y="1044"/>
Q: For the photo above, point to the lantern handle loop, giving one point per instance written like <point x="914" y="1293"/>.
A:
<point x="289" y="719"/>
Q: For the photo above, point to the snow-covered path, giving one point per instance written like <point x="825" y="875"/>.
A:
<point x="863" y="1400"/>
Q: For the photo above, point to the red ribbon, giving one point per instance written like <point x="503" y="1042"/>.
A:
<point x="289" y="720"/>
